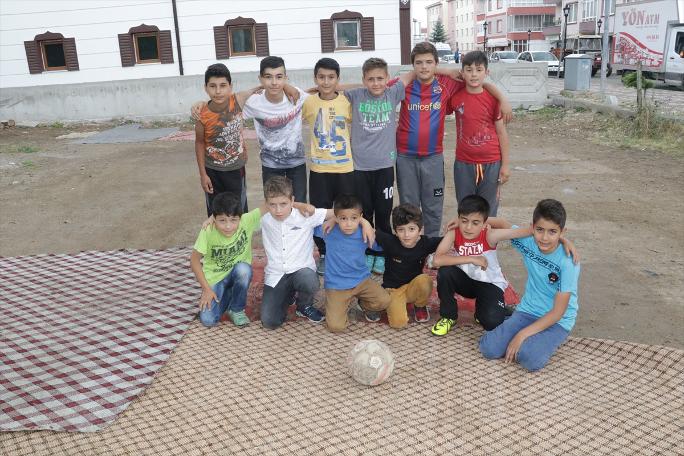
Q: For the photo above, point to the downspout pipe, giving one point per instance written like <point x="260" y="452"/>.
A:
<point x="178" y="44"/>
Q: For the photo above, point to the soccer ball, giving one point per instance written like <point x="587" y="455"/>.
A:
<point x="370" y="362"/>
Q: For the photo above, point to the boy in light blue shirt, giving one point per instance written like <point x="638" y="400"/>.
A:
<point x="548" y="309"/>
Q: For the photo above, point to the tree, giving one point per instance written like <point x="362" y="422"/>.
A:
<point x="438" y="33"/>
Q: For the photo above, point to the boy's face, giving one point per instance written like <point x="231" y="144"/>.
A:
<point x="348" y="220"/>
<point x="326" y="81"/>
<point x="218" y="89"/>
<point x="280" y="207"/>
<point x="227" y="224"/>
<point x="273" y="80"/>
<point x="474" y="75"/>
<point x="471" y="225"/>
<point x="424" y="66"/>
<point x="375" y="81"/>
<point x="408" y="234"/>
<point x="547" y="235"/>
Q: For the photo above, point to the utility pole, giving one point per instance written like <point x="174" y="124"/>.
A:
<point x="605" y="51"/>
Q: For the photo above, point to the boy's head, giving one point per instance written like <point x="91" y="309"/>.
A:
<point x="348" y="213"/>
<point x="375" y="75"/>
<point x="217" y="83"/>
<point x="326" y="76"/>
<point x="548" y="224"/>
<point x="279" y="197"/>
<point x="272" y="75"/>
<point x="475" y="68"/>
<point x="407" y="221"/>
<point x="424" y="59"/>
<point x="473" y="211"/>
<point x="227" y="210"/>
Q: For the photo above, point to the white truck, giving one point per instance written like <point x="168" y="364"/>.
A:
<point x="650" y="32"/>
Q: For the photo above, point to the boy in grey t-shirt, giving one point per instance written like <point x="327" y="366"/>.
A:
<point x="374" y="142"/>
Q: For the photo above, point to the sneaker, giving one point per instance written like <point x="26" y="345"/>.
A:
<point x="379" y="265"/>
<point x="320" y="266"/>
<point x="421" y="314"/>
<point x="443" y="326"/>
<point x="239" y="318"/>
<point x="372" y="316"/>
<point x="370" y="261"/>
<point x="311" y="313"/>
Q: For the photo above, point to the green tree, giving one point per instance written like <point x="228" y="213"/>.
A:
<point x="438" y="33"/>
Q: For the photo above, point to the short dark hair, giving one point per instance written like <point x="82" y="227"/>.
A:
<point x="270" y="62"/>
<point x="278" y="186"/>
<point x="424" y="48"/>
<point x="551" y="210"/>
<point x="343" y="202"/>
<point x="227" y="203"/>
<point x="475" y="58"/>
<point x="327" y="64"/>
<point x="406" y="213"/>
<point x="474" y="204"/>
<point x="372" y="64"/>
<point x="217" y="70"/>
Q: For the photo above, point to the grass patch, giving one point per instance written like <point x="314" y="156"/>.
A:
<point x="57" y="125"/>
<point x="28" y="164"/>
<point x="547" y="113"/>
<point x="18" y="149"/>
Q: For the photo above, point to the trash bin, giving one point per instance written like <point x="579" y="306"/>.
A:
<point x="577" y="72"/>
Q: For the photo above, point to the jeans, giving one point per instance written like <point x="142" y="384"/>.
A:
<point x="304" y="283"/>
<point x="231" y="293"/>
<point x="534" y="352"/>
<point x="297" y="175"/>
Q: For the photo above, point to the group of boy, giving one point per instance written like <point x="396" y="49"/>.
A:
<point x="351" y="196"/>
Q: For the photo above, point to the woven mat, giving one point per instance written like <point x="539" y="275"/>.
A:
<point x="286" y="392"/>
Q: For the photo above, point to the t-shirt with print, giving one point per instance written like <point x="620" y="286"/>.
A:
<point x="401" y="263"/>
<point x="279" y="129"/>
<point x="221" y="252"/>
<point x="345" y="258"/>
<point x="546" y="276"/>
<point x="374" y="127"/>
<point x="476" y="138"/>
<point x="480" y="247"/>
<point x="329" y="122"/>
<point x="421" y="117"/>
<point x="224" y="145"/>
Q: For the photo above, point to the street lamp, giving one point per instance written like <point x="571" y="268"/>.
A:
<point x="529" y="37"/>
<point x="599" y="23"/>
<point x="485" y="36"/>
<point x="566" y="11"/>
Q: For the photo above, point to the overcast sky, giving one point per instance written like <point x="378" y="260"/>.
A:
<point x="418" y="10"/>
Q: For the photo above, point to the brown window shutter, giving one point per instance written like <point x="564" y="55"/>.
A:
<point x="367" y="34"/>
<point x="70" y="55"/>
<point x="327" y="36"/>
<point x="34" y="57"/>
<point x="261" y="38"/>
<point x="126" y="50"/>
<point x="221" y="42"/>
<point x="165" y="47"/>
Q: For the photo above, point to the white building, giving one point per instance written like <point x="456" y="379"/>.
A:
<point x="461" y="28"/>
<point x="45" y="42"/>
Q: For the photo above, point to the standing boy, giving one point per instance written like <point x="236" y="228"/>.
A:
<point x="328" y="115"/>
<point x="481" y="164"/>
<point x="420" y="162"/>
<point x="548" y="309"/>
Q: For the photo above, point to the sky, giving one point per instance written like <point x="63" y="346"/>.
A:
<point x="418" y="10"/>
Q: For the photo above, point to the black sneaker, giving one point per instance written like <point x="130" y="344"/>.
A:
<point x="320" y="265"/>
<point x="311" y="313"/>
<point x="372" y="316"/>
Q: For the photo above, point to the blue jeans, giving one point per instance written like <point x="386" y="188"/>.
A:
<point x="231" y="293"/>
<point x="534" y="352"/>
<point x="304" y="283"/>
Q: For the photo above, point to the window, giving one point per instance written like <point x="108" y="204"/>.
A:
<point x="520" y="46"/>
<point x="51" y="52"/>
<point x="242" y="36"/>
<point x="531" y="22"/>
<point x="489" y="5"/>
<point x="145" y="44"/>
<point x="588" y="9"/>
<point x="572" y="15"/>
<point x="498" y="4"/>
<point x="347" y="30"/>
<point x="679" y="44"/>
<point x="499" y="26"/>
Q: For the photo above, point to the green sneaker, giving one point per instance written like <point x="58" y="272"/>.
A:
<point x="443" y="326"/>
<point x="239" y="318"/>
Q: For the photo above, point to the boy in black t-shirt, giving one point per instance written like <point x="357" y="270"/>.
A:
<point x="405" y="255"/>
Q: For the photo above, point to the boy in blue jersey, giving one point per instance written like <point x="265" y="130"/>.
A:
<point x="547" y="311"/>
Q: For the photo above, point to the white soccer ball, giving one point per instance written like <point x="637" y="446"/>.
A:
<point x="370" y="362"/>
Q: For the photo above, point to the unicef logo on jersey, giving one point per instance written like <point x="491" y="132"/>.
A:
<point x="437" y="105"/>
<point x="437" y="89"/>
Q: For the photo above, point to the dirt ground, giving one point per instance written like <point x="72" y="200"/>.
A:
<point x="625" y="209"/>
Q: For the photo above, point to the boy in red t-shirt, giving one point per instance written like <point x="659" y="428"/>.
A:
<point x="481" y="164"/>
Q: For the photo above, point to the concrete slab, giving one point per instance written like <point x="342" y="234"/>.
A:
<point x="132" y="133"/>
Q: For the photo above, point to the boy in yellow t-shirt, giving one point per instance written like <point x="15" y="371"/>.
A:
<point x="328" y="115"/>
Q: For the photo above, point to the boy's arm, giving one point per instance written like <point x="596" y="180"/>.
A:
<point x="407" y="78"/>
<point x="495" y="236"/>
<point x="242" y="96"/>
<point x="499" y="223"/>
<point x="368" y="233"/>
<point x="442" y="257"/>
<point x="199" y="153"/>
<point x="504" y="105"/>
<point x="560" y="304"/>
<point x="453" y="73"/>
<point x="504" y="172"/>
<point x="207" y="293"/>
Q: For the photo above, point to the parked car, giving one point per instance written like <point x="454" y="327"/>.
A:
<point x="504" y="57"/>
<point x="447" y="58"/>
<point x="596" y="66"/>
<point x="541" y="56"/>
